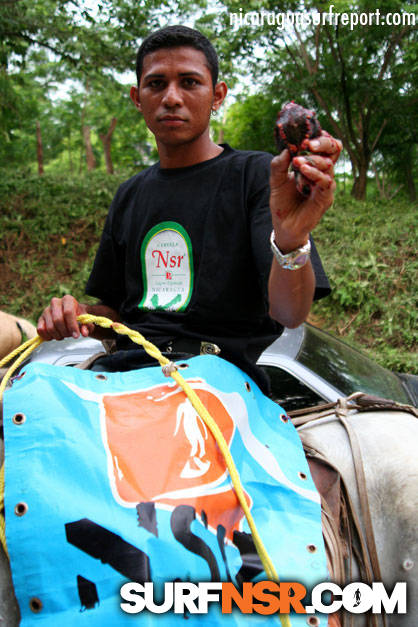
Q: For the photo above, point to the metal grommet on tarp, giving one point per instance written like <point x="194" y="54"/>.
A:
<point x="19" y="418"/>
<point x="21" y="508"/>
<point x="284" y="418"/>
<point x="35" y="605"/>
<point x="101" y="377"/>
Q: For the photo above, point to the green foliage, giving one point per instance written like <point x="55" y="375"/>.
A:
<point x="59" y="64"/>
<point x="62" y="63"/>
<point x="249" y="124"/>
<point x="359" y="79"/>
<point x="82" y="38"/>
<point x="368" y="249"/>
<point x="50" y="228"/>
<point x="66" y="71"/>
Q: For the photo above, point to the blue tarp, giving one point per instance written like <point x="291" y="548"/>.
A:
<point x="119" y="480"/>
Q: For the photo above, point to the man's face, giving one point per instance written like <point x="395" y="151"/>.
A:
<point x="176" y="95"/>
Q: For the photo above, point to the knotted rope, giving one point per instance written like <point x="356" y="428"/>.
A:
<point x="169" y="369"/>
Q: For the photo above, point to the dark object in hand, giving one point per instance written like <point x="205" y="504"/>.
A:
<point x="294" y="125"/>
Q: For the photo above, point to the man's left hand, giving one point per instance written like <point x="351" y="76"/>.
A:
<point x="294" y="215"/>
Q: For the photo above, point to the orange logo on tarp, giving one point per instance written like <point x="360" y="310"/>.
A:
<point x="161" y="451"/>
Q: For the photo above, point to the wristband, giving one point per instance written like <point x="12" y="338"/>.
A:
<point x="293" y="260"/>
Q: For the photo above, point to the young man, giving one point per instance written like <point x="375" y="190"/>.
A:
<point x="185" y="254"/>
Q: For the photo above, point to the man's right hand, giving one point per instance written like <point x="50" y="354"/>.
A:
<point x="59" y="320"/>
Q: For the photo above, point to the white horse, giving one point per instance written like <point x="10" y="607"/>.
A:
<point x="384" y="443"/>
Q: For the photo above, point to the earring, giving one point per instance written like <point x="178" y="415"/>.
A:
<point x="214" y="111"/>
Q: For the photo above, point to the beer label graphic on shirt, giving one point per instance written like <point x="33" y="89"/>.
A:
<point x="167" y="268"/>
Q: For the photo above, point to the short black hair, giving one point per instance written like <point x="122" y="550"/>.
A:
<point x="174" y="37"/>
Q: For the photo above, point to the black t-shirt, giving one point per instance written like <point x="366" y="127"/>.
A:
<point x="185" y="253"/>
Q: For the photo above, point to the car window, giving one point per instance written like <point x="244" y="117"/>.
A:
<point x="289" y="392"/>
<point x="347" y="369"/>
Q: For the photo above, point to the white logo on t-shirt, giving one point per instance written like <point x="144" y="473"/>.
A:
<point x="167" y="268"/>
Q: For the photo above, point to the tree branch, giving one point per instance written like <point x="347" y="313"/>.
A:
<point x="380" y="131"/>
<point x="304" y="53"/>
<point x="43" y="44"/>
<point x="346" y="97"/>
<point x="320" y="100"/>
<point x="108" y="135"/>
<point x="335" y="126"/>
<point x="294" y="59"/>
<point x="317" y="39"/>
<point x="396" y="38"/>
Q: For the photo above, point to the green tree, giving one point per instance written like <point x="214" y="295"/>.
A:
<point x="107" y="100"/>
<point x="397" y="157"/>
<point x="346" y="74"/>
<point x="52" y="47"/>
<point x="249" y="123"/>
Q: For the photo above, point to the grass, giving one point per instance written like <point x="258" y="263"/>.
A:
<point x="50" y="228"/>
<point x="368" y="249"/>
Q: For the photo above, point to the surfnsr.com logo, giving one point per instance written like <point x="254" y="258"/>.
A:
<point x="263" y="597"/>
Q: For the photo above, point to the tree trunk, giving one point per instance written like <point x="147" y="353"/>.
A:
<point x="360" y="183"/>
<point x="39" y="149"/>
<point x="90" y="160"/>
<point x="80" y="158"/>
<point x="70" y="155"/>
<point x="106" y="141"/>
<point x="221" y="135"/>
<point x="409" y="175"/>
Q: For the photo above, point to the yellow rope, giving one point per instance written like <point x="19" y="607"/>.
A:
<point x="26" y="348"/>
<point x="35" y="340"/>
